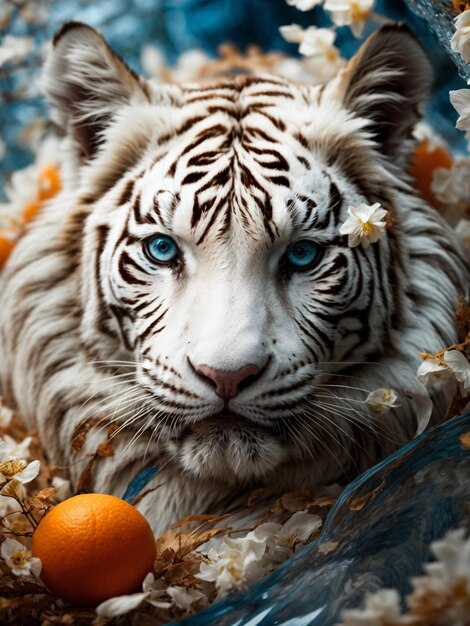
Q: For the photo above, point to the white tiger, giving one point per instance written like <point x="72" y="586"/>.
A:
<point x="191" y="286"/>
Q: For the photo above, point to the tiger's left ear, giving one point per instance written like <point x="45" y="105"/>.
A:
<point x="87" y="82"/>
<point x="387" y="82"/>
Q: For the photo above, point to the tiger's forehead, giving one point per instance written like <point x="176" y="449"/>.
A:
<point x="237" y="158"/>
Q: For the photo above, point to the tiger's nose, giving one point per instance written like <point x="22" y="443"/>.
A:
<point x="227" y="384"/>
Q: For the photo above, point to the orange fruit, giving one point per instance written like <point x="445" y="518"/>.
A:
<point x="93" y="547"/>
<point x="8" y="239"/>
<point x="425" y="161"/>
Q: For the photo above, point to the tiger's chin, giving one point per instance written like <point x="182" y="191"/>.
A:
<point x="232" y="452"/>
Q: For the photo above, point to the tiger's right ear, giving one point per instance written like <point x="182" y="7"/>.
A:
<point x="87" y="82"/>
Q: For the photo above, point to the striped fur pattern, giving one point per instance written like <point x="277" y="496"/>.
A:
<point x="234" y="171"/>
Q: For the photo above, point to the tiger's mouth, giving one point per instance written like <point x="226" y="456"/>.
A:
<point x="224" y="422"/>
<point x="229" y="447"/>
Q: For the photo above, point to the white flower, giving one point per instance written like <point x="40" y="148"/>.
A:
<point x="293" y="33"/>
<point x="458" y="364"/>
<point x="6" y="415"/>
<point x="451" y="186"/>
<point x="10" y="449"/>
<point x="323" y="59"/>
<point x="425" y="132"/>
<point x="235" y="564"/>
<point x="189" y="65"/>
<point x="453" y="366"/>
<point x="382" y="400"/>
<point x="460" y="41"/>
<point x="453" y="561"/>
<point x="25" y="186"/>
<point x="15" y="48"/>
<point x="381" y="609"/>
<point x="304" y="5"/>
<point x="19" y="559"/>
<point x="462" y="230"/>
<point x="460" y="100"/>
<point x="184" y="598"/>
<point x="353" y="13"/>
<point x="432" y="370"/>
<point x="18" y="470"/>
<point x="318" y="42"/>
<point x="365" y="224"/>
<point x="152" y="590"/>
<point x="62" y="488"/>
<point x="153" y="61"/>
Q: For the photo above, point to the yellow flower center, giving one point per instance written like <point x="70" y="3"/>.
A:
<point x="331" y="55"/>
<point x="367" y="228"/>
<point x="10" y="468"/>
<point x="20" y="558"/>
<point x="356" y="11"/>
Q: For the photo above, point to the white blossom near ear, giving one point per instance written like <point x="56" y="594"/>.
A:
<point x="17" y="470"/>
<point x="19" y="559"/>
<point x="462" y="230"/>
<point x="10" y="449"/>
<point x="382" y="400"/>
<point x="458" y="364"/>
<point x="353" y="13"/>
<point x="323" y="59"/>
<point x="381" y="609"/>
<point x="365" y="224"/>
<point x="460" y="41"/>
<point x="15" y="48"/>
<point x="304" y="5"/>
<point x="235" y="564"/>
<point x="460" y="100"/>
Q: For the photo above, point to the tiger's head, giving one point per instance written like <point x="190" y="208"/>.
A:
<point x="211" y="260"/>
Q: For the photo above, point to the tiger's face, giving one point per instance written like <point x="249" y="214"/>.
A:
<point x="212" y="261"/>
<point x="220" y="279"/>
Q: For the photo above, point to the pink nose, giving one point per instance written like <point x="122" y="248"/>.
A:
<point x="227" y="383"/>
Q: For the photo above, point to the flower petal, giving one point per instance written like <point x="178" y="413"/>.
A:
<point x="302" y="525"/>
<point x="120" y="604"/>
<point x="29" y="473"/>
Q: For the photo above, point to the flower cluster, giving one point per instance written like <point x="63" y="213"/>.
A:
<point x="231" y="563"/>
<point x="449" y="365"/>
<point x="317" y="44"/>
<point x="441" y="596"/>
<point x="352" y="13"/>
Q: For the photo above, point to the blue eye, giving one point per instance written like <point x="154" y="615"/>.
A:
<point x="162" y="249"/>
<point x="302" y="254"/>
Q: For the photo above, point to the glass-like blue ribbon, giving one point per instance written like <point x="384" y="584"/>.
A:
<point x="139" y="482"/>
